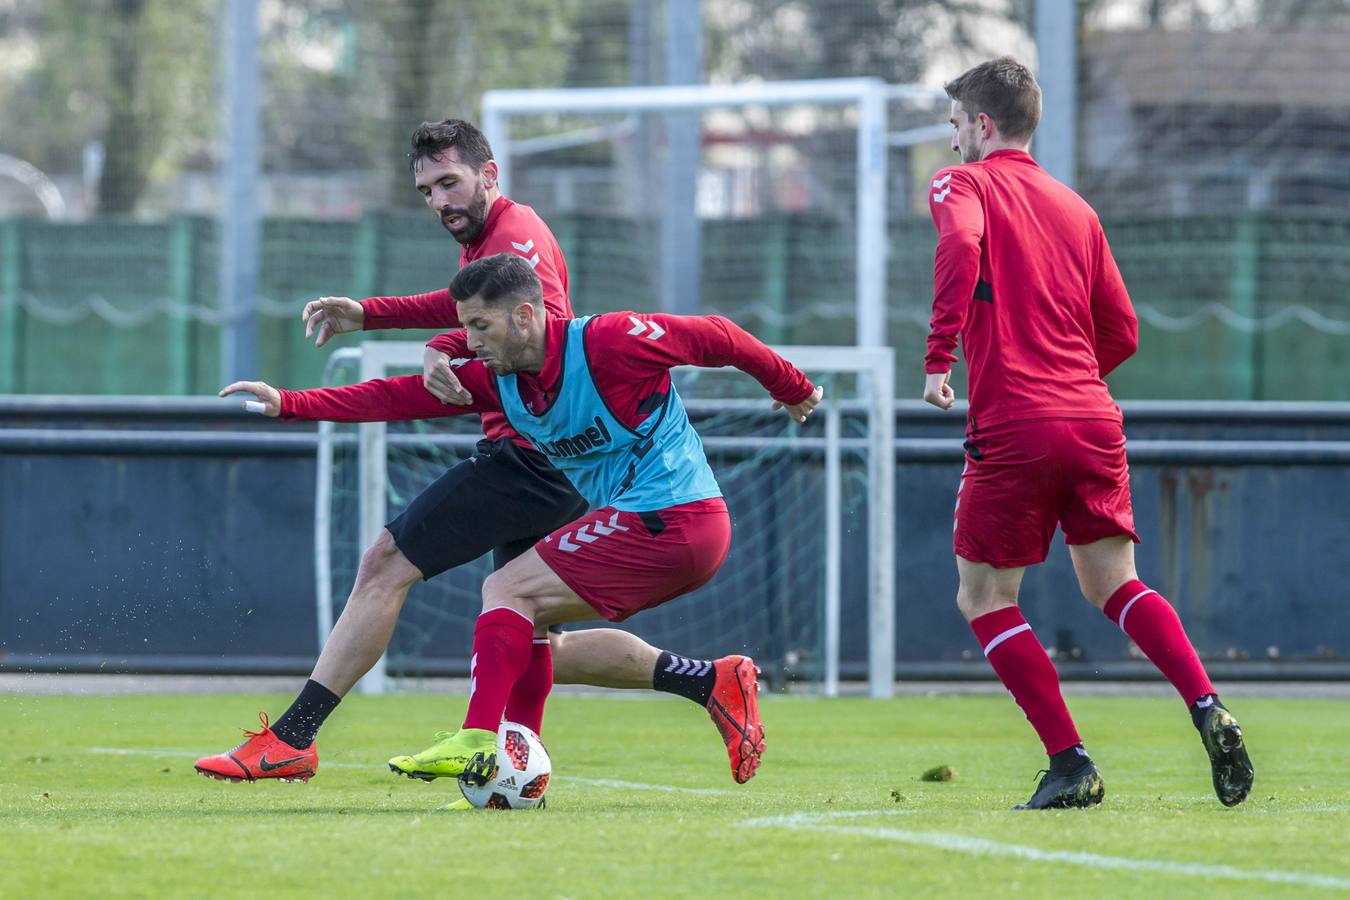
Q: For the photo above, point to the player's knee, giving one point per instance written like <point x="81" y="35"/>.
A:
<point x="499" y="590"/>
<point x="965" y="603"/>
<point x="1099" y="585"/>
<point x="1099" y="591"/>
<point x="973" y="605"/>
<point x="384" y="562"/>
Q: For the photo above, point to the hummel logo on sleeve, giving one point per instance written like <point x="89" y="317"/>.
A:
<point x="524" y="250"/>
<point x="941" y="188"/>
<point x="640" y="327"/>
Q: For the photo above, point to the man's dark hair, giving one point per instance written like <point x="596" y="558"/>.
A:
<point x="499" y="280"/>
<point x="1005" y="91"/>
<point x="431" y="139"/>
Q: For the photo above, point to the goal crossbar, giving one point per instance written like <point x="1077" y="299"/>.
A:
<point x="869" y="95"/>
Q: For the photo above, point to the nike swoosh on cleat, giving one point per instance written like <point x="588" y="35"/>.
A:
<point x="269" y="766"/>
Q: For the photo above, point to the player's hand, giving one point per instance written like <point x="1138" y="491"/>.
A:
<point x="439" y="378"/>
<point x="328" y="316"/>
<point x="800" y="411"/>
<point x="264" y="395"/>
<point x="937" y="391"/>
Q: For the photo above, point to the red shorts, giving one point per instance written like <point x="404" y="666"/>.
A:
<point x="1021" y="480"/>
<point x="624" y="562"/>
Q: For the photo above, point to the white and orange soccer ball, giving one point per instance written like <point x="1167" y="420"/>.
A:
<point x="523" y="770"/>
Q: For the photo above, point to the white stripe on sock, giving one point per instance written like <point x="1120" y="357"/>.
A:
<point x="1011" y="632"/>
<point x="1126" y="610"/>
<point x="516" y="611"/>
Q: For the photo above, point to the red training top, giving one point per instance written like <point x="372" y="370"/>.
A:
<point x="510" y="228"/>
<point x="632" y="364"/>
<point x="1024" y="276"/>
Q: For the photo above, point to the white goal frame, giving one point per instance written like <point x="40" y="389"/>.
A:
<point x="869" y="95"/>
<point x="875" y="369"/>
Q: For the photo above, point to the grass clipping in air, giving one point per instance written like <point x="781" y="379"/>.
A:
<point x="939" y="773"/>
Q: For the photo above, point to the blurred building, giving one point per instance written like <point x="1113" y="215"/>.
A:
<point x="1178" y="122"/>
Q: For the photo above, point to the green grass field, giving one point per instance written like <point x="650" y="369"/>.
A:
<point x="98" y="798"/>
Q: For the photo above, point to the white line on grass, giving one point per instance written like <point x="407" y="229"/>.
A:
<point x="189" y="754"/>
<point x="959" y="843"/>
<point x="638" y="786"/>
<point x="598" y="782"/>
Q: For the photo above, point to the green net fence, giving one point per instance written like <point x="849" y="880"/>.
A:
<point x="1225" y="302"/>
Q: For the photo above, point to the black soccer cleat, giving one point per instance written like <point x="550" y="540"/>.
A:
<point x="1079" y="788"/>
<point x="1227" y="755"/>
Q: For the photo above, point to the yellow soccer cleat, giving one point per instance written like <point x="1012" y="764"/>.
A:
<point x="449" y="756"/>
<point x="457" y="806"/>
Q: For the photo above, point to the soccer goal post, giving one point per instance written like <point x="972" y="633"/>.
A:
<point x="742" y="116"/>
<point x="812" y="506"/>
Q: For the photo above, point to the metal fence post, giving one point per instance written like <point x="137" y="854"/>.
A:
<point x="366" y="253"/>
<point x="182" y="294"/>
<point x="11" y="284"/>
<point x="1246" y="293"/>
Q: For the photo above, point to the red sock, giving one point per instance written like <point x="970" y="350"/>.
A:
<point x="526" y="703"/>
<point x="501" y="654"/>
<point x="1027" y="673"/>
<point x="1151" y="622"/>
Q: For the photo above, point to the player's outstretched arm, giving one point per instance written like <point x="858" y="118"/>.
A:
<point x="434" y="309"/>
<point x="377" y="400"/>
<point x="266" y="399"/>
<point x="645" y="343"/>
<point x="328" y="316"/>
<point x="799" y="411"/>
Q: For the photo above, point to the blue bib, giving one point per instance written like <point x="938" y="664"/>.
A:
<point x="658" y="465"/>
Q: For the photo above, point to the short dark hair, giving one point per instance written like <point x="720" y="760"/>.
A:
<point x="1005" y="91"/>
<point x="431" y="139"/>
<point x="497" y="280"/>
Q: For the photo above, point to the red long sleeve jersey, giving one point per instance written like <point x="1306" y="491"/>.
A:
<point x="631" y="357"/>
<point x="510" y="228"/>
<point x="1024" y="277"/>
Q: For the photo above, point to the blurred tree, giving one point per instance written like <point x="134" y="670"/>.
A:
<point x="131" y="131"/>
<point x="430" y="59"/>
<point x="128" y="73"/>
<point x="895" y="40"/>
<point x="311" y="95"/>
<point x="600" y="56"/>
<point x="1224" y="14"/>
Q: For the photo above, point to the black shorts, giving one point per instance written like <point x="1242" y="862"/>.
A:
<point x="504" y="498"/>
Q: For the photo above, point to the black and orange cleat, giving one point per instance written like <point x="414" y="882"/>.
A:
<point x="734" y="707"/>
<point x="262" y="755"/>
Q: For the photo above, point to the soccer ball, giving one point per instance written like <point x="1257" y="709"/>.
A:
<point x="522" y="773"/>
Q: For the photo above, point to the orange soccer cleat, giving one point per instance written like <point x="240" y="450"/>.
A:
<point x="263" y="755"/>
<point x="734" y="707"/>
